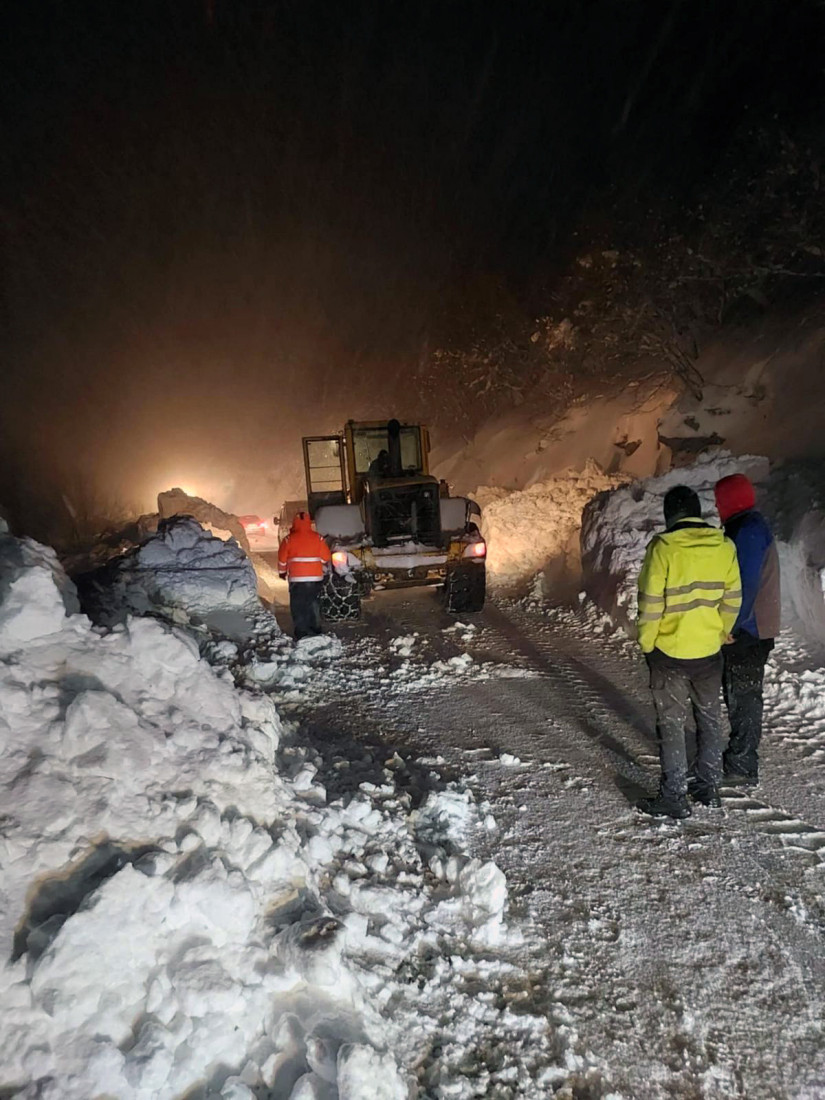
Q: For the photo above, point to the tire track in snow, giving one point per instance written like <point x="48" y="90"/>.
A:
<point x="602" y="703"/>
<point x="607" y="723"/>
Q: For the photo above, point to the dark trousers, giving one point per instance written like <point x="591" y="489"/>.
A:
<point x="680" y="688"/>
<point x="305" y="606"/>
<point x="743" y="677"/>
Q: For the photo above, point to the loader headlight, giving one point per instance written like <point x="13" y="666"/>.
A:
<point x="476" y="550"/>
<point x="340" y="559"/>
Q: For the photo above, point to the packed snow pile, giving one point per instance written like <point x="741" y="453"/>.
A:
<point x="617" y="526"/>
<point x="183" y="571"/>
<point x="224" y="525"/>
<point x="538" y="528"/>
<point x="183" y="909"/>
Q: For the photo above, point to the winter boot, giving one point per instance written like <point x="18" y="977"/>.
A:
<point x="741" y="779"/>
<point x="665" y="806"/>
<point x="706" y="796"/>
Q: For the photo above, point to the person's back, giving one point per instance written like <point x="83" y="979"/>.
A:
<point x="689" y="594"/>
<point x="759" y="566"/>
<point x="302" y="559"/>
<point x="756" y="626"/>
<point x="688" y="570"/>
<point x="303" y="553"/>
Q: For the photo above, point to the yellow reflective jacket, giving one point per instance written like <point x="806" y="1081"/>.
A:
<point x="689" y="591"/>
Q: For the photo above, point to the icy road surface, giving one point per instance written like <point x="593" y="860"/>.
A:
<point x="681" y="960"/>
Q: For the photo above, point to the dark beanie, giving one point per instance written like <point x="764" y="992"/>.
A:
<point x="681" y="503"/>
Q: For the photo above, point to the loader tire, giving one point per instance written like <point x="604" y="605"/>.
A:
<point x="465" y="588"/>
<point x="340" y="599"/>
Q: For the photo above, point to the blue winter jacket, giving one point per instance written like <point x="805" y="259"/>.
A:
<point x="759" y="568"/>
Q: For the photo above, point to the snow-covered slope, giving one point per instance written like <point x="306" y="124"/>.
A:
<point x="545" y="438"/>
<point x="763" y="390"/>
<point x="537" y="529"/>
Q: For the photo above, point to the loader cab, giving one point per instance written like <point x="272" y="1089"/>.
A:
<point x="390" y="480"/>
<point x="382" y="466"/>
<point x="382" y="450"/>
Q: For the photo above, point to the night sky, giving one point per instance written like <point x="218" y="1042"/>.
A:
<point x="227" y="220"/>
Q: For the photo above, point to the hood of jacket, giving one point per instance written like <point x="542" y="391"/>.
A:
<point x="301" y="524"/>
<point x="734" y="494"/>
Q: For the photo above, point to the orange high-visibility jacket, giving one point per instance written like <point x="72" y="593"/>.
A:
<point x="303" y="553"/>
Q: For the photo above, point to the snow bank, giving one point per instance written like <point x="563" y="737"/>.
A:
<point x="538" y="528"/>
<point x="618" y="524"/>
<point x="35" y="593"/>
<point x="136" y="855"/>
<point x="184" y="571"/>
<point x="182" y="910"/>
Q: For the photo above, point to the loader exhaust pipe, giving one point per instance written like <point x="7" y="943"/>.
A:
<point x="394" y="448"/>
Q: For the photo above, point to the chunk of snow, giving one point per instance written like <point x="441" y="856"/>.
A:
<point x="36" y="596"/>
<point x="403" y="645"/>
<point x="364" y="1074"/>
<point x="181" y="568"/>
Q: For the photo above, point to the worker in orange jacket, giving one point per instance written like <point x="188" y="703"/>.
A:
<point x="303" y="558"/>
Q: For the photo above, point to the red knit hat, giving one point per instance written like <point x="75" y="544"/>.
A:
<point x="734" y="494"/>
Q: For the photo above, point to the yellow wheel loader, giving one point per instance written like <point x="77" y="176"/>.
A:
<point x="390" y="523"/>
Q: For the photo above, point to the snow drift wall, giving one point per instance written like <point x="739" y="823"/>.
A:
<point x="618" y="524"/>
<point x="795" y="504"/>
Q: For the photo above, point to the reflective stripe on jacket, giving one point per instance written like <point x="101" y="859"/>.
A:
<point x="689" y="591"/>
<point x="303" y="553"/>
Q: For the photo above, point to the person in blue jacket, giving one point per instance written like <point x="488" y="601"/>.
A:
<point x="756" y="626"/>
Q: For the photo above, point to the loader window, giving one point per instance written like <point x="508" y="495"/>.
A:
<point x="368" y="443"/>
<point x="323" y="457"/>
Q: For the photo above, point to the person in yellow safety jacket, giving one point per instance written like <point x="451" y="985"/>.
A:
<point x="303" y="558"/>
<point x="689" y="597"/>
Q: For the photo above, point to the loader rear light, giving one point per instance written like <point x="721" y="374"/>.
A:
<point x="476" y="550"/>
<point x="340" y="557"/>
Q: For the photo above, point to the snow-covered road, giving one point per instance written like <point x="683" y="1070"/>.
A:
<point x="678" y="960"/>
